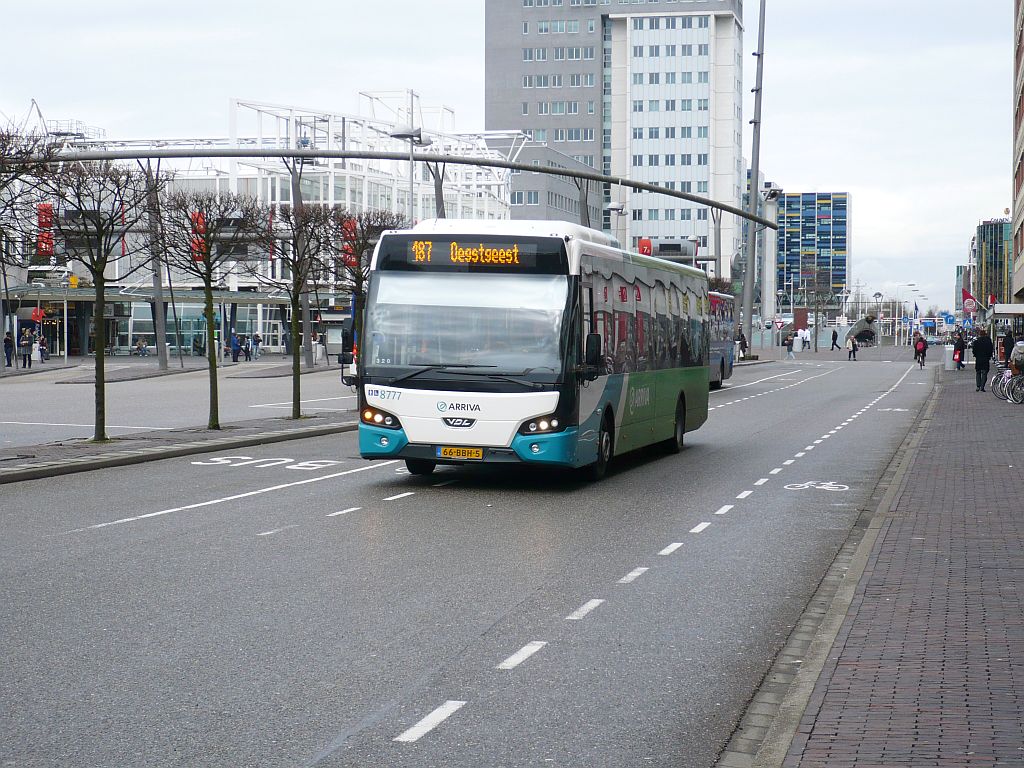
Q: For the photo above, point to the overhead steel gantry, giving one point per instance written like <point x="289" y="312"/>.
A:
<point x="333" y="154"/>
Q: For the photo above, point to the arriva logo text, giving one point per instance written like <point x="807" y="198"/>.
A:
<point x="639" y="398"/>
<point x="443" y="407"/>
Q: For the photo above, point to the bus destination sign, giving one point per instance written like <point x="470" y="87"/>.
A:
<point x="456" y="253"/>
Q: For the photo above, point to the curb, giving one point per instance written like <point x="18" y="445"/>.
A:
<point x="40" y="470"/>
<point x="778" y="714"/>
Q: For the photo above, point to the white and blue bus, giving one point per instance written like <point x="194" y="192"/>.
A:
<point x="722" y="331"/>
<point x="530" y="342"/>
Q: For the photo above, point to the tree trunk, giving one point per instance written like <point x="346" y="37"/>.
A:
<point x="296" y="371"/>
<point x="100" y="429"/>
<point x="211" y="353"/>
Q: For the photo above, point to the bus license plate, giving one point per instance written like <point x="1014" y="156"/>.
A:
<point x="459" y="452"/>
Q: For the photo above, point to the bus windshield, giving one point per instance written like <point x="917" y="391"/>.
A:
<point x="500" y="323"/>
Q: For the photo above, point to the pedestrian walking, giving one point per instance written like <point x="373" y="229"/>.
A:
<point x="851" y="348"/>
<point x="25" y="344"/>
<point x="8" y="348"/>
<point x="959" y="348"/>
<point x="44" y="351"/>
<point x="835" y="340"/>
<point x="246" y="348"/>
<point x="982" y="350"/>
<point x="788" y="343"/>
<point x="256" y="341"/>
<point x="743" y="345"/>
<point x="236" y="346"/>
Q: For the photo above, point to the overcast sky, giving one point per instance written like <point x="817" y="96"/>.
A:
<point x="906" y="104"/>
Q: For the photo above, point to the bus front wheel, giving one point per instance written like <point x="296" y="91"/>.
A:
<point x="420" y="466"/>
<point x="605" y="449"/>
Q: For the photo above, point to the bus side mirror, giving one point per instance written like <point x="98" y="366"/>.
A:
<point x="592" y="354"/>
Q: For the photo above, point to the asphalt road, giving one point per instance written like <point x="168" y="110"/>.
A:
<point x="227" y="611"/>
<point x="50" y="410"/>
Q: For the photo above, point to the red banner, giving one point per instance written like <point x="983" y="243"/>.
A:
<point x="970" y="303"/>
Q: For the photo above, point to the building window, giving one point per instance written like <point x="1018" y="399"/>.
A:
<point x="638" y="78"/>
<point x="542" y="81"/>
<point x="653" y="105"/>
<point x="686" y="159"/>
<point x="652" y="214"/>
<point x="670" y="132"/>
<point x="575" y="80"/>
<point x="670" y="22"/>
<point x="670" y="78"/>
<point x="686" y="50"/>
<point x="702" y="158"/>
<point x="638" y="51"/>
<point x="702" y="131"/>
<point x="702" y="187"/>
<point x="670" y="214"/>
<point x="541" y="135"/>
<point x="654" y="23"/>
<point x="526" y="108"/>
<point x="543" y="27"/>
<point x="527" y="54"/>
<point x="653" y="50"/>
<point x="670" y="50"/>
<point x="686" y="77"/>
<point x="653" y="78"/>
<point x="526" y="27"/>
<point x="517" y="198"/>
<point x="532" y="197"/>
<point x="653" y="133"/>
<point x="702" y="49"/>
<point x="670" y="105"/>
<point x="527" y="81"/>
<point x="527" y="3"/>
<point x="560" y="134"/>
<point x="703" y="77"/>
<point x="588" y="134"/>
<point x="638" y="215"/>
<point x="702" y="105"/>
<point x="685" y="186"/>
<point x="542" y="108"/>
<point x="556" y="81"/>
<point x="588" y="80"/>
<point x="638" y="105"/>
<point x="702" y="22"/>
<point x="638" y="161"/>
<point x="702" y="214"/>
<point x="591" y="107"/>
<point x="559" y="54"/>
<point x="638" y="22"/>
<point x="670" y="159"/>
<point x="686" y="132"/>
<point x="638" y="133"/>
<point x="684" y="214"/>
<point x="685" y="105"/>
<point x="652" y="160"/>
<point x="540" y="54"/>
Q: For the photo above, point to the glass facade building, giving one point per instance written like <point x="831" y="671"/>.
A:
<point x="813" y="246"/>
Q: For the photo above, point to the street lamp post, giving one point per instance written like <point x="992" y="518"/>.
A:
<point x="899" y="312"/>
<point x="878" y="318"/>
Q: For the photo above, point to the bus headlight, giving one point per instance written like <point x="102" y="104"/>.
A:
<point x="379" y="418"/>
<point x="550" y="423"/>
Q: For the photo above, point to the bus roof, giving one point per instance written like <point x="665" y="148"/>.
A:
<point x="530" y="227"/>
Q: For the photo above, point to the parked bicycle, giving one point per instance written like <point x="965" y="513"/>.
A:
<point x="1008" y="385"/>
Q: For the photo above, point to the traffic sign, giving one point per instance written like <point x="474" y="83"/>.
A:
<point x="906" y="319"/>
<point x="779" y="324"/>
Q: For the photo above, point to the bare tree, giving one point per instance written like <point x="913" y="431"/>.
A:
<point x="205" y="235"/>
<point x="352" y="239"/>
<point x="296" y="240"/>
<point x="97" y="213"/>
<point x="23" y="163"/>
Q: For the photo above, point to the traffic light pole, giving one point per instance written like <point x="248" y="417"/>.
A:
<point x="755" y="192"/>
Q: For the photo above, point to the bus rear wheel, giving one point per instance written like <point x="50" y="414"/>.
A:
<point x="675" y="443"/>
<point x="605" y="450"/>
<point x="420" y="466"/>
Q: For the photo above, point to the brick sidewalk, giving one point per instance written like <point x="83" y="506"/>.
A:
<point x="928" y="666"/>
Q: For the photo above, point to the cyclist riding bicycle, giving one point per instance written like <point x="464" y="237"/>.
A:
<point x="920" y="349"/>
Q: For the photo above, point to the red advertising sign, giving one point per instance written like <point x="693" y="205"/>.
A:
<point x="645" y="246"/>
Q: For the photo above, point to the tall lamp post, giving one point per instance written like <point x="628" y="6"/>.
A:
<point x="415" y="138"/>
<point x="899" y="312"/>
<point x="878" y="318"/>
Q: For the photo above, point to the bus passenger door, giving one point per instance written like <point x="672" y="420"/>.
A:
<point x="591" y="393"/>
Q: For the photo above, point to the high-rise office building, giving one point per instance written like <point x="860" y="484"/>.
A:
<point x="651" y="92"/>
<point x="992" y="259"/>
<point x="1017" y="254"/>
<point x="813" y="248"/>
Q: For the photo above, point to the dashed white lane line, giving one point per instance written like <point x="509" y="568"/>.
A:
<point x="699" y="527"/>
<point x="799" y="455"/>
<point x="724" y="509"/>
<point x="787" y="462"/>
<point x="808" y="447"/>
<point x="522" y="654"/>
<point x="237" y="496"/>
<point x="583" y="610"/>
<point x="743" y="494"/>
<point x="633" y="575"/>
<point x="762" y="481"/>
<point x="446" y="482"/>
<point x="431" y="721"/>
<point x="775" y="471"/>
<point x="344" y="511"/>
<point x="399" y="496"/>
<point x="671" y="548"/>
<point x="277" y="530"/>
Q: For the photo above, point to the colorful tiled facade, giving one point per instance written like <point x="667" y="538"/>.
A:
<point x="813" y="241"/>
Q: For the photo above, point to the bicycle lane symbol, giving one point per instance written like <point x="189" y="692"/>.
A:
<point x="821" y="485"/>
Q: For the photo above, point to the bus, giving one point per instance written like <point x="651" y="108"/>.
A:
<point x="723" y="334"/>
<point x="527" y="342"/>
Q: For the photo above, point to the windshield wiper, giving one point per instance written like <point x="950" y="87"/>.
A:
<point x="425" y="367"/>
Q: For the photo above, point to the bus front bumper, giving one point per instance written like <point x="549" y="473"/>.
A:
<point x="554" y="449"/>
